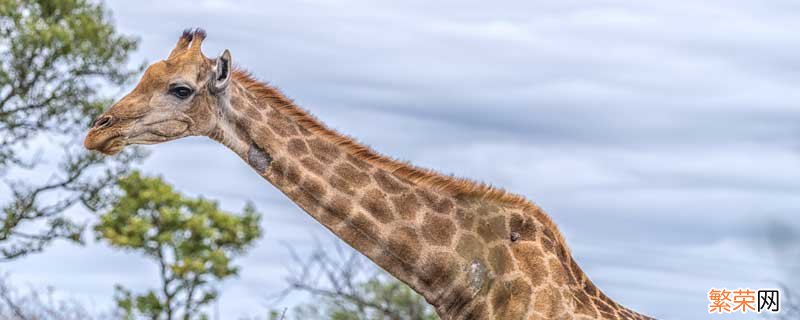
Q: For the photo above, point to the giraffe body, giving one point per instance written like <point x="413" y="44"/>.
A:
<point x="473" y="251"/>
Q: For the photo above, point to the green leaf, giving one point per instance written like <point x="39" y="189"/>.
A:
<point x="193" y="238"/>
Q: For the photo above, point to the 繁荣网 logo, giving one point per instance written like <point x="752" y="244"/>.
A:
<point x="743" y="300"/>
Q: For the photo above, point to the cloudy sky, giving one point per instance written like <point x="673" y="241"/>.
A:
<point x="661" y="136"/>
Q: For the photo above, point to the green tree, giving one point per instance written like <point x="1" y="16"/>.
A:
<point x="191" y="239"/>
<point x="345" y="286"/>
<point x="55" y="58"/>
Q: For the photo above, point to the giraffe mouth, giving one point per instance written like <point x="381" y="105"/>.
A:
<point x="108" y="145"/>
<point x="161" y="131"/>
<point x="114" y="146"/>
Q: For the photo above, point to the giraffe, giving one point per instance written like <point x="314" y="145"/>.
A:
<point x="471" y="250"/>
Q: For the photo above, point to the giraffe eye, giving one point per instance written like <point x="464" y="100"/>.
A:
<point x="181" y="92"/>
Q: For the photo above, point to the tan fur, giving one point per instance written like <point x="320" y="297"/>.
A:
<point x="446" y="183"/>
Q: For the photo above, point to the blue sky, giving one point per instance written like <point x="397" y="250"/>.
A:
<point x="661" y="136"/>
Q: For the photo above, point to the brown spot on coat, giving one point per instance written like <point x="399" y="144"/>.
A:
<point x="388" y="183"/>
<point x="547" y="303"/>
<point x="404" y="243"/>
<point x="312" y="165"/>
<point x="439" y="205"/>
<point x="361" y="164"/>
<point x="262" y="134"/>
<point x="557" y="272"/>
<point x="455" y="300"/>
<point x="253" y="114"/>
<point x="338" y="209"/>
<point x="548" y="245"/>
<point x="303" y="131"/>
<point x="510" y="299"/>
<point x="293" y="175"/>
<point x="324" y="150"/>
<point x="350" y="174"/>
<point x="486" y="209"/>
<point x="477" y="312"/>
<point x="297" y="147"/>
<point x="530" y="262"/>
<point x="465" y="218"/>
<point x="374" y="202"/>
<point x="524" y="226"/>
<point x="444" y="207"/>
<point x="361" y="233"/>
<point x="238" y="103"/>
<point x="469" y="247"/>
<point x="438" y="230"/>
<point x="282" y="126"/>
<point x="428" y="198"/>
<point x="493" y="228"/>
<point x="245" y="123"/>
<point x="602" y="306"/>
<point x="583" y="305"/>
<point x="437" y="271"/>
<point x="277" y="172"/>
<point x="561" y="252"/>
<point x="406" y="205"/>
<point x="549" y="234"/>
<point x="342" y="185"/>
<point x="606" y="299"/>
<point x="303" y="199"/>
<point x="313" y="187"/>
<point x="500" y="259"/>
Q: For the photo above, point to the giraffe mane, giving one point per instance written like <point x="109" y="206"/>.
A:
<point x="457" y="186"/>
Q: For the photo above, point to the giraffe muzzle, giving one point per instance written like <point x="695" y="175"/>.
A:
<point x="103" y="137"/>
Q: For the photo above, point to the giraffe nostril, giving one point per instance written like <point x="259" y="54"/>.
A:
<point x="103" y="122"/>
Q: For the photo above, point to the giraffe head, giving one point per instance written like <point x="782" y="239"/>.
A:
<point x="175" y="98"/>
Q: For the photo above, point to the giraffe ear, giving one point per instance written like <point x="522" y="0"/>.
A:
<point x="221" y="74"/>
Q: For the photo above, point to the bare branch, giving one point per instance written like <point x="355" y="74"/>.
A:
<point x="345" y="281"/>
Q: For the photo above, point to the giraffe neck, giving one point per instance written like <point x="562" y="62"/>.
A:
<point x="469" y="256"/>
<point x="396" y="223"/>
